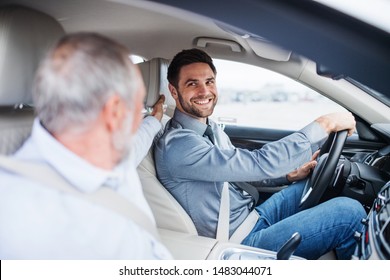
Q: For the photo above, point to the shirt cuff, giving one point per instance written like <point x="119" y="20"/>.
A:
<point x="282" y="181"/>
<point x="275" y="182"/>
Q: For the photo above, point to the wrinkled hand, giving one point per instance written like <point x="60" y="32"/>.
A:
<point x="303" y="171"/>
<point x="338" y="121"/>
<point x="158" y="108"/>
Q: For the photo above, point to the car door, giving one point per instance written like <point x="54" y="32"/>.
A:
<point x="363" y="142"/>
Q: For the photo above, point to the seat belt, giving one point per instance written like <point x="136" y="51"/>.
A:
<point x="251" y="190"/>
<point x="105" y="197"/>
<point x="223" y="226"/>
<point x="247" y="225"/>
<point x="224" y="215"/>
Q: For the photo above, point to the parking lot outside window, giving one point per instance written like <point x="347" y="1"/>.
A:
<point x="256" y="97"/>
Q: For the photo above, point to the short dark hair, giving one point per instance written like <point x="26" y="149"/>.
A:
<point x="186" y="57"/>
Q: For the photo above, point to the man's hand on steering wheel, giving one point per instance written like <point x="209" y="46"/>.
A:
<point x="303" y="171"/>
<point x="339" y="126"/>
<point x="337" y="122"/>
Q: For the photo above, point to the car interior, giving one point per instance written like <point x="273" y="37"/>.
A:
<point x="29" y="28"/>
<point x="17" y="116"/>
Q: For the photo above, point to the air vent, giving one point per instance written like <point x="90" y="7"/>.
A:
<point x="369" y="159"/>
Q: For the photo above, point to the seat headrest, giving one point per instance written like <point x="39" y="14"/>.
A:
<point x="154" y="73"/>
<point x="25" y="37"/>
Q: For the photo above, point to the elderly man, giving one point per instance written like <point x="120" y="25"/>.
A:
<point x="88" y="98"/>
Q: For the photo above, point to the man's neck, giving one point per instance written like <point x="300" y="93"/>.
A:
<point x="91" y="146"/>
<point x="202" y="120"/>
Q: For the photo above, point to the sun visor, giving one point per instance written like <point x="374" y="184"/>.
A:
<point x="266" y="49"/>
<point x="261" y="47"/>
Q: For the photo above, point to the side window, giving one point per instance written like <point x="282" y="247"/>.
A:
<point x="253" y="96"/>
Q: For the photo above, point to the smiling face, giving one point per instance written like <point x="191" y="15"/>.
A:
<point x="196" y="94"/>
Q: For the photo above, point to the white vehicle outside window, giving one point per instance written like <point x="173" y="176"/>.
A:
<point x="256" y="97"/>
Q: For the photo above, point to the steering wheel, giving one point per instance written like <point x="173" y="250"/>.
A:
<point x="323" y="173"/>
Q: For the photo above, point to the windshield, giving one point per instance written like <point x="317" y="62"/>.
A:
<point x="380" y="96"/>
<point x="374" y="12"/>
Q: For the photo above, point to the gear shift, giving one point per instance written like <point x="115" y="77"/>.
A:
<point x="289" y="247"/>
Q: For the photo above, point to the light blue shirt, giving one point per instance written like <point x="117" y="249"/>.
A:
<point x="37" y="222"/>
<point x="193" y="169"/>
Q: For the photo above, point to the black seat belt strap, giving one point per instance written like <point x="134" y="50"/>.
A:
<point x="250" y="189"/>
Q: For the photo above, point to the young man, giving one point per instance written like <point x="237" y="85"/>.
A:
<point x="193" y="168"/>
<point x="88" y="98"/>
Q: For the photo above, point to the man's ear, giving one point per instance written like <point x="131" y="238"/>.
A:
<point x="113" y="112"/>
<point x="173" y="91"/>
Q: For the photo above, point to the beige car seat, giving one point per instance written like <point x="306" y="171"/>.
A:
<point x="167" y="211"/>
<point x="25" y="37"/>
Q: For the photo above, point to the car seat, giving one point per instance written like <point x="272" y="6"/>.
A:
<point x="25" y="37"/>
<point x="167" y="211"/>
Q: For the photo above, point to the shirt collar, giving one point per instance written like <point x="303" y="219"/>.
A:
<point x="189" y="122"/>
<point x="80" y="173"/>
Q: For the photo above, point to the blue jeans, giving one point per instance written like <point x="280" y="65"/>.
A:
<point x="328" y="226"/>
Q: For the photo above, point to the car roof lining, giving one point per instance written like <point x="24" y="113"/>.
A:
<point x="337" y="40"/>
<point x="114" y="18"/>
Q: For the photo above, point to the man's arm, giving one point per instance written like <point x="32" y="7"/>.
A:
<point x="184" y="155"/>
<point x="149" y="128"/>
<point x="191" y="158"/>
<point x="330" y="123"/>
<point x="158" y="108"/>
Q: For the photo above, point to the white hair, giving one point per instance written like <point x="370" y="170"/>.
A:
<point x="78" y="76"/>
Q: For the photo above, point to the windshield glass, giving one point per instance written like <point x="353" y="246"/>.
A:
<point x="380" y="96"/>
<point x="375" y="12"/>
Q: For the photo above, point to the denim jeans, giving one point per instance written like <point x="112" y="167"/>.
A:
<point x="328" y="226"/>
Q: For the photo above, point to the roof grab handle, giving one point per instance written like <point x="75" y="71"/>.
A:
<point x="204" y="41"/>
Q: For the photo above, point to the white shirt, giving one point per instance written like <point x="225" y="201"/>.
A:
<point x="37" y="222"/>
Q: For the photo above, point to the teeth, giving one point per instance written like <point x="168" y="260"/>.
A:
<point x="201" y="102"/>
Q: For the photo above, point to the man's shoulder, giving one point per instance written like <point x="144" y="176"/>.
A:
<point x="175" y="132"/>
<point x="176" y="142"/>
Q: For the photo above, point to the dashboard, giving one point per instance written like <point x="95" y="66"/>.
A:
<point x="362" y="175"/>
<point x="368" y="174"/>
